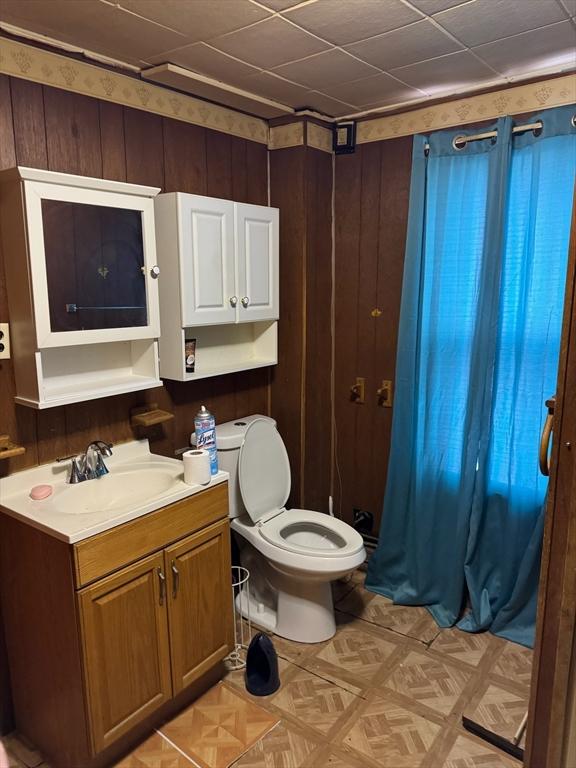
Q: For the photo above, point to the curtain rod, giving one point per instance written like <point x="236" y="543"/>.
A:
<point x="459" y="142"/>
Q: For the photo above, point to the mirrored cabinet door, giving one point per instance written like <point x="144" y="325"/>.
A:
<point x="94" y="266"/>
<point x="93" y="261"/>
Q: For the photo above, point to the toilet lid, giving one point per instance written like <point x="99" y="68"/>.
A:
<point x="263" y="470"/>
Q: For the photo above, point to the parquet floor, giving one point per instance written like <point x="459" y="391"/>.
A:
<point x="388" y="691"/>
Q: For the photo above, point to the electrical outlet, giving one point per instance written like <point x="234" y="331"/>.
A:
<point x="4" y="341"/>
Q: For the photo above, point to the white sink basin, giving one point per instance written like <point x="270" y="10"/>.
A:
<point x="138" y="482"/>
<point x="122" y="488"/>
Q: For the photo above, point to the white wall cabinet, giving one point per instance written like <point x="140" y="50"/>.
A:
<point x="82" y="290"/>
<point x="219" y="262"/>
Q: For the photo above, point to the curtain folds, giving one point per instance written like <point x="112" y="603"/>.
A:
<point x="478" y="348"/>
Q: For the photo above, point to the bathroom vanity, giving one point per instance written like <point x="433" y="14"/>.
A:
<point x="117" y="613"/>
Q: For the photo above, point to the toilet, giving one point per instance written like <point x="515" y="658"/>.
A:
<point x="292" y="554"/>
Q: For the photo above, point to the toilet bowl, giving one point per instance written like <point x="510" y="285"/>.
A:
<point x="292" y="554"/>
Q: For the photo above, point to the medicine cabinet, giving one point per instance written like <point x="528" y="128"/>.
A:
<point x="81" y="274"/>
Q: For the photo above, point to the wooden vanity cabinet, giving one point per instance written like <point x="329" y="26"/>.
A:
<point x="126" y="649"/>
<point x="104" y="633"/>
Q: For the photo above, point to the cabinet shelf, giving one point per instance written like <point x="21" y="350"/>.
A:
<point x="74" y="374"/>
<point x="221" y="349"/>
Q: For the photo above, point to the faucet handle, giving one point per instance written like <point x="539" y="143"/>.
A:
<point x="77" y="467"/>
<point x="95" y="453"/>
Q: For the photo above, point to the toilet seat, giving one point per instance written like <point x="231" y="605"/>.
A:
<point x="264" y="478"/>
<point x="311" y="533"/>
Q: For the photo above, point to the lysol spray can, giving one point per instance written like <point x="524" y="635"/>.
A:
<point x="205" y="428"/>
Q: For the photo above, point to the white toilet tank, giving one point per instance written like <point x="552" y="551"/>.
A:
<point x="229" y="438"/>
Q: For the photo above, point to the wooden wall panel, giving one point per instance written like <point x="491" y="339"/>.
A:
<point x="288" y="192"/>
<point x="371" y="210"/>
<point x="393" y="219"/>
<point x="72" y="133"/>
<point x="346" y="279"/>
<point x="112" y="143"/>
<point x="318" y="332"/>
<point x="184" y="157"/>
<point x="301" y="186"/>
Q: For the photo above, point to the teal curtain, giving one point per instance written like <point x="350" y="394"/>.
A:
<point x="484" y="274"/>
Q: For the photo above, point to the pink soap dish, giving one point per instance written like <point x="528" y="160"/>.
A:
<point x="40" y="492"/>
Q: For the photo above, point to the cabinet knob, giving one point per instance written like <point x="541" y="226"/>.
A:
<point x="155" y="271"/>
<point x="233" y="301"/>
<point x="245" y="301"/>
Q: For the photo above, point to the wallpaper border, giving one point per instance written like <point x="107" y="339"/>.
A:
<point x="40" y="66"/>
<point x="471" y="109"/>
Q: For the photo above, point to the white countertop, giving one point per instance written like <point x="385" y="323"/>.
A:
<point x="126" y="466"/>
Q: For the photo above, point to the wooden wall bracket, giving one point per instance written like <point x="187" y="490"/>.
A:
<point x="149" y="415"/>
<point x="8" y="449"/>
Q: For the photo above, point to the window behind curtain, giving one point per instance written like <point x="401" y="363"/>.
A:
<point x="455" y="223"/>
<point x="530" y="318"/>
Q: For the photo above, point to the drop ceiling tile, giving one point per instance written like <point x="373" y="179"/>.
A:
<point x="200" y="19"/>
<point x="552" y="46"/>
<point x="327" y="105"/>
<point x="277" y="88"/>
<point x="99" y="27"/>
<point x="381" y="89"/>
<point x="446" y="74"/>
<point x="435" y="6"/>
<point x="486" y="20"/>
<point x="205" y="60"/>
<point x="325" y="69"/>
<point x="408" y="45"/>
<point x="346" y="22"/>
<point x="570" y="6"/>
<point x="270" y="43"/>
<point x="280" y="5"/>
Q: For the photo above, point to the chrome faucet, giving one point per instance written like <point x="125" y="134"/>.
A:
<point x="90" y="464"/>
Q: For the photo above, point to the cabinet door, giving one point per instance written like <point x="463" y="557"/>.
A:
<point x="92" y="257"/>
<point x="207" y="260"/>
<point x="126" y="648"/>
<point x="257" y="260"/>
<point x="200" y="602"/>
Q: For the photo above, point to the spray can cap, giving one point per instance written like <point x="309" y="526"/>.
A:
<point x="203" y="412"/>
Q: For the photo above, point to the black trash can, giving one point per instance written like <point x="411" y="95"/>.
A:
<point x="261" y="676"/>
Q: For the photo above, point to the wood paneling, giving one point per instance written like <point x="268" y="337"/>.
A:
<point x="184" y="157"/>
<point x="44" y="127"/>
<point x="371" y="213"/>
<point x="48" y="128"/>
<point x="318" y="362"/>
<point x="301" y="186"/>
<point x="112" y="144"/>
<point x="288" y="192"/>
<point x="101" y="554"/>
<point x="73" y="133"/>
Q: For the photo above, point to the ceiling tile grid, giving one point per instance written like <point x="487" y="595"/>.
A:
<point x="334" y="56"/>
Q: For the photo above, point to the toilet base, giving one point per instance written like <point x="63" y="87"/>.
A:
<point x="257" y="613"/>
<point x="304" y="611"/>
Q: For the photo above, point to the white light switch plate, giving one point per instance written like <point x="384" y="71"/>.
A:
<point x="5" y="341"/>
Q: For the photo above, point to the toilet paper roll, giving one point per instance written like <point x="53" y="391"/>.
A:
<point x="196" y="467"/>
